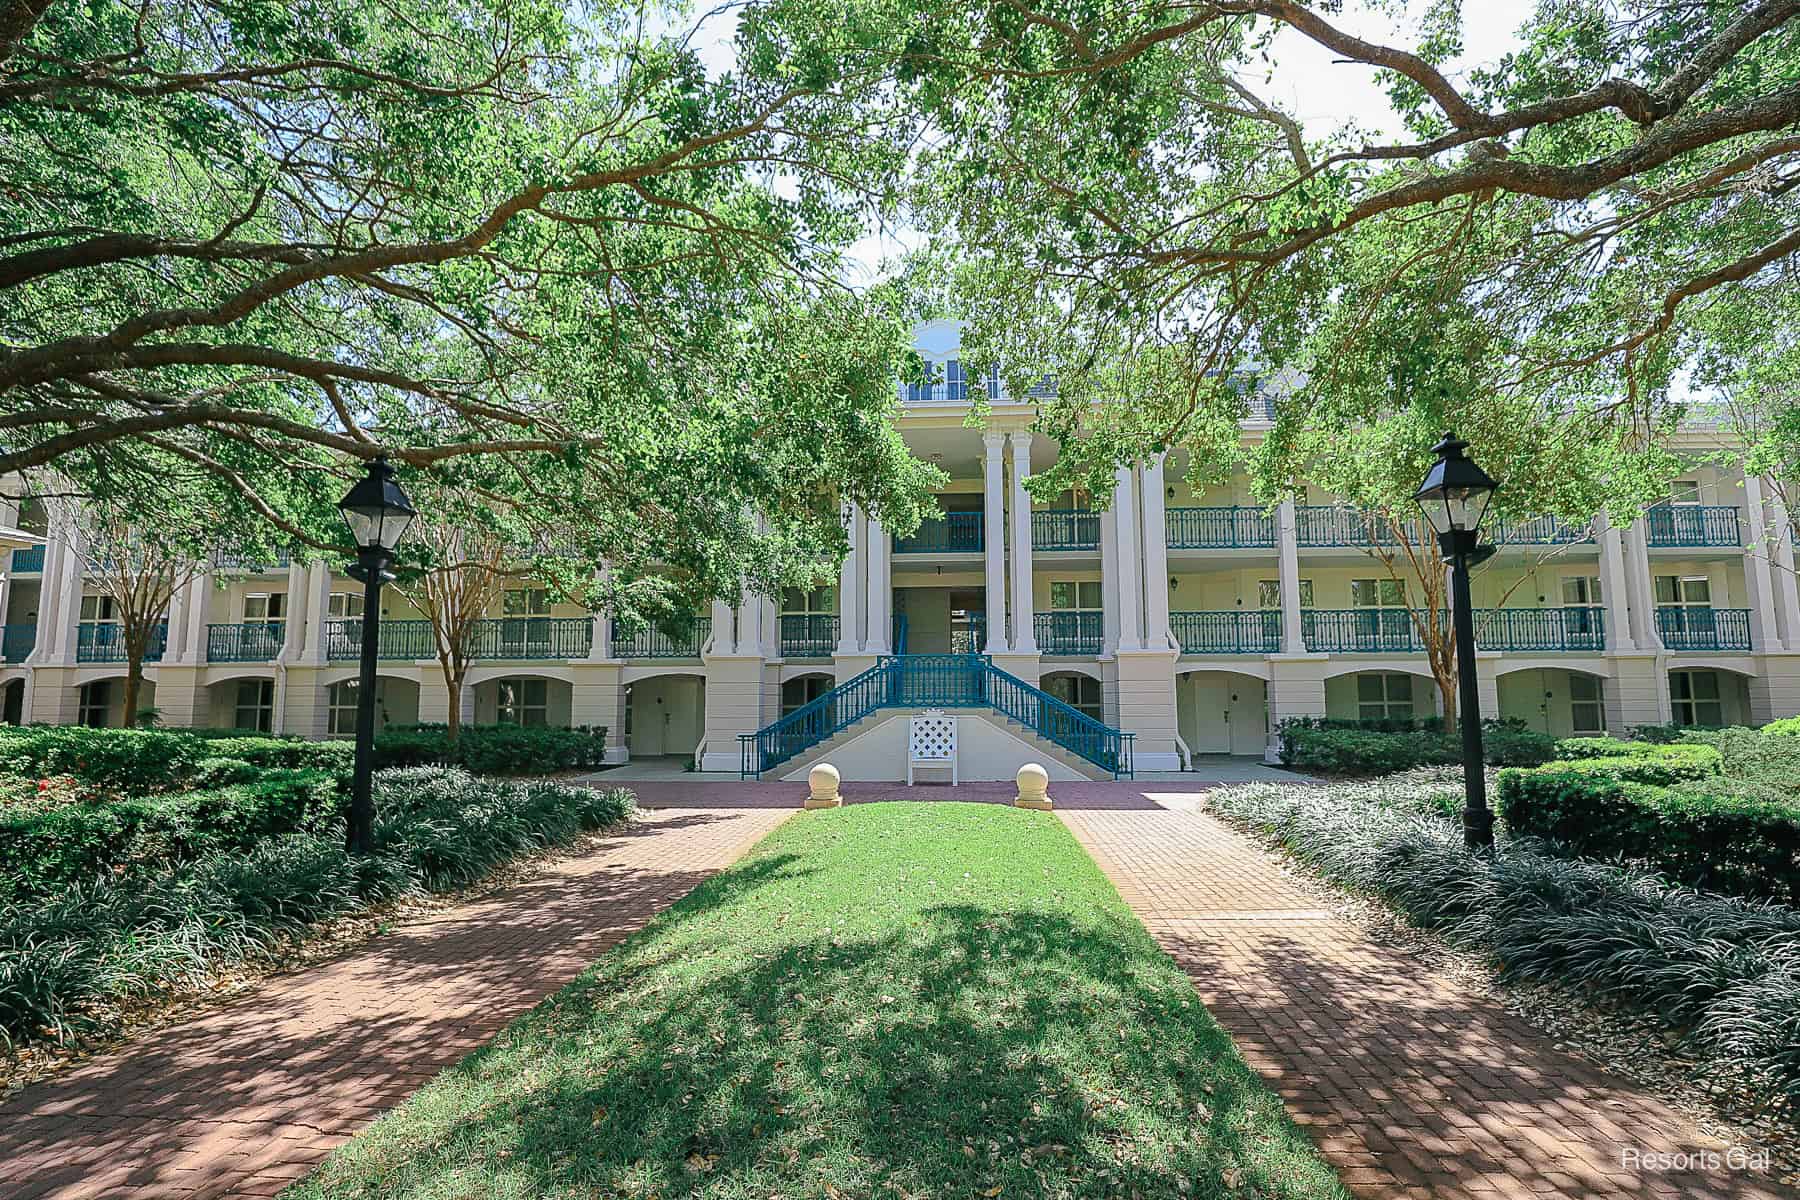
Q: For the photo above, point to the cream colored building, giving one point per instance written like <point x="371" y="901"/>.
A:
<point x="1194" y="624"/>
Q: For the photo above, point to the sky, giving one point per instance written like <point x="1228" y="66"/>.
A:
<point x="1321" y="91"/>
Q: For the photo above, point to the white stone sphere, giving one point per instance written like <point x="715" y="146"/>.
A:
<point x="823" y="781"/>
<point x="1033" y="781"/>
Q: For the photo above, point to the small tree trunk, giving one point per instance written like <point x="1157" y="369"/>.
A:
<point x="134" y="681"/>
<point x="453" y="684"/>
<point x="1446" y="682"/>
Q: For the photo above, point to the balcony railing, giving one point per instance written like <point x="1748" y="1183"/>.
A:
<point x="1547" y="629"/>
<point x="532" y="637"/>
<point x="1231" y="631"/>
<point x="28" y="561"/>
<point x="105" y="643"/>
<point x="808" y="635"/>
<point x="1335" y="525"/>
<point x="953" y="533"/>
<point x="968" y="635"/>
<point x="399" y="639"/>
<point x="1065" y="529"/>
<point x="1693" y="525"/>
<point x="1358" y="630"/>
<point x="244" y="560"/>
<point x="17" y="641"/>
<point x="1541" y="531"/>
<point x="684" y="641"/>
<point x="1685" y="628"/>
<point x="252" y="641"/>
<point x="1068" y="632"/>
<point x="1221" y="527"/>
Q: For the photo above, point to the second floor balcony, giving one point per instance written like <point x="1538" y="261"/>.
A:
<point x="808" y="635"/>
<point x="17" y="641"/>
<point x="684" y="639"/>
<point x="497" y="638"/>
<point x="1227" y="631"/>
<point x="1392" y="630"/>
<point x="1692" y="525"/>
<point x="1335" y="525"/>
<point x="1068" y="632"/>
<point x="1688" y="627"/>
<point x="952" y="533"/>
<point x="104" y="642"/>
<point x="1065" y="529"/>
<point x="1221" y="527"/>
<point x="29" y="561"/>
<point x="251" y="641"/>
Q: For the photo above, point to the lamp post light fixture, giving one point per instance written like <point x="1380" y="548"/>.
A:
<point x="1454" y="498"/>
<point x="378" y="514"/>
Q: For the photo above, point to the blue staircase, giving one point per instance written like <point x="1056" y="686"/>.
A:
<point x="935" y="681"/>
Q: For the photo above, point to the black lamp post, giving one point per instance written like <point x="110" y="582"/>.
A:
<point x="1455" y="497"/>
<point x="378" y="513"/>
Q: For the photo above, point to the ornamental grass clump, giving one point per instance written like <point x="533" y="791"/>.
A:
<point x="70" y="960"/>
<point x="1722" y="972"/>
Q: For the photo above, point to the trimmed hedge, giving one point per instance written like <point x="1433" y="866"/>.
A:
<point x="139" y="762"/>
<point x="1341" y="750"/>
<point x="66" y="960"/>
<point x="1786" y="727"/>
<point x="42" y="852"/>
<point x="1719" y="972"/>
<point x="492" y="749"/>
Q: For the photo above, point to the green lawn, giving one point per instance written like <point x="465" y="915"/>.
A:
<point x="907" y="1000"/>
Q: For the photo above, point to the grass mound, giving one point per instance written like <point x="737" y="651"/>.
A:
<point x="893" y="999"/>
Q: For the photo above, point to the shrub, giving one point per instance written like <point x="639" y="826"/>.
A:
<point x="1638" y="762"/>
<point x="43" y="851"/>
<point x="492" y="749"/>
<point x="1786" y="727"/>
<point x="67" y="958"/>
<point x="1347" y="751"/>
<point x="1657" y="734"/>
<point x="140" y="762"/>
<point x="1721" y="972"/>
<point x="1752" y="756"/>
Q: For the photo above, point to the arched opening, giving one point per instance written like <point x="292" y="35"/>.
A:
<point x="534" y="700"/>
<point x="1708" y="697"/>
<point x="1076" y="689"/>
<point x="802" y="690"/>
<point x="664" y="716"/>
<point x="1555" y="700"/>
<point x="247" y="703"/>
<point x="396" y="703"/>
<point x="100" y="703"/>
<point x="1222" y="712"/>
<point x="1378" y="696"/>
<point x="12" y="703"/>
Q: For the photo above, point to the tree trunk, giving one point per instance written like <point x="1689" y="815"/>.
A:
<point x="1447" y="695"/>
<point x="454" y="674"/>
<point x="134" y="680"/>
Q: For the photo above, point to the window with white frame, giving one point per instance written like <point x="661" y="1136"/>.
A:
<point x="98" y="610"/>
<point x="255" y="706"/>
<point x="1581" y="594"/>
<point x="1268" y="593"/>
<point x="1384" y="696"/>
<point x="344" y="606"/>
<point x="1377" y="593"/>
<point x="1587" y="707"/>
<point x="1684" y="604"/>
<point x="1684" y="491"/>
<point x="1697" y="698"/>
<point x="526" y="602"/>
<point x="95" y="701"/>
<point x="1070" y="595"/>
<point x="340" y="707"/>
<point x="809" y="602"/>
<point x="524" y="702"/>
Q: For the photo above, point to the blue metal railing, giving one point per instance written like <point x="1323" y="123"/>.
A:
<point x="1069" y="632"/>
<point x="1230" y="631"/>
<point x="1573" y="628"/>
<point x="1335" y="525"/>
<point x="532" y="637"/>
<point x="399" y="639"/>
<point x="1222" y="527"/>
<point x="1683" y="628"/>
<point x="28" y="560"/>
<point x="899" y="633"/>
<point x="952" y="533"/>
<point x="1541" y="531"/>
<point x="683" y="641"/>
<point x="252" y="641"/>
<point x="808" y="635"/>
<point x="105" y="643"/>
<point x="236" y="559"/>
<point x="1692" y="525"/>
<point x="935" y="681"/>
<point x="1065" y="529"/>
<point x="17" y="641"/>
<point x="1358" y="630"/>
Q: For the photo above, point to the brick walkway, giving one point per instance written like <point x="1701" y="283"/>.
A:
<point x="245" y="1099"/>
<point x="1410" y="1085"/>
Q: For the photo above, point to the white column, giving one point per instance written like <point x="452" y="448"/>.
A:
<point x="1127" y="582"/>
<point x="1109" y="576"/>
<point x="1287" y="570"/>
<point x="600" y="638"/>
<point x="723" y="636"/>
<point x="771" y="627"/>
<point x="1759" y="583"/>
<point x="749" y="624"/>
<point x="994" y="536"/>
<point x="199" y="591"/>
<point x="318" y="605"/>
<point x="1156" y="556"/>
<point x="1614" y="592"/>
<point x="850" y="583"/>
<point x="1024" y="639"/>
<point x="44" y="649"/>
<point x="299" y="606"/>
<point x="69" y="590"/>
<point x="9" y="516"/>
<point x="879" y="639"/>
<point x="1640" y="593"/>
<point x="1785" y="584"/>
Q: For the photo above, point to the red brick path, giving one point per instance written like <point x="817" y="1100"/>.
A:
<point x="246" y="1099"/>
<point x="1410" y="1085"/>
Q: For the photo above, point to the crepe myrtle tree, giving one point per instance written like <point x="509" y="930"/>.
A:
<point x="1136" y="208"/>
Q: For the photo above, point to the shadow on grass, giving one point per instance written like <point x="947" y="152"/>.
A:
<point x="971" y="1052"/>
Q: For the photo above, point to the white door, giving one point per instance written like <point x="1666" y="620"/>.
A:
<point x="1212" y="714"/>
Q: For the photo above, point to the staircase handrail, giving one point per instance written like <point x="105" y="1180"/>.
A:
<point x="1060" y="723"/>
<point x="814" y="721"/>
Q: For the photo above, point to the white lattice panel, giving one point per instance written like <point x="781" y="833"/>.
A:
<point x="932" y="743"/>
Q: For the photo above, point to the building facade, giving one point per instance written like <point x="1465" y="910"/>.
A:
<point x="1196" y="624"/>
